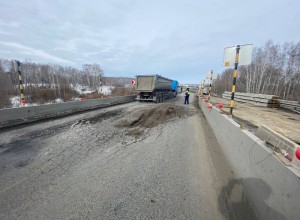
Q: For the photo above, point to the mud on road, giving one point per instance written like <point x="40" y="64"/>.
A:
<point x="74" y="165"/>
<point x="37" y="160"/>
<point x="20" y="146"/>
<point x="137" y="121"/>
<point x="55" y="142"/>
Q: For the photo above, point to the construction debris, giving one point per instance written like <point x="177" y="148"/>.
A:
<point x="291" y="105"/>
<point x="270" y="101"/>
<point x="279" y="143"/>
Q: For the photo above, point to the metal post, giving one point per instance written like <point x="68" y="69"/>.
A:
<point x="23" y="102"/>
<point x="234" y="78"/>
<point x="209" y="91"/>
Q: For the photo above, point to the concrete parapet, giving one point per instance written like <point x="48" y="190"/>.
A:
<point x="272" y="187"/>
<point x="13" y="116"/>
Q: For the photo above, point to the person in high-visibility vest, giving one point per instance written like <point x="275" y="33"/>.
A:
<point x="187" y="96"/>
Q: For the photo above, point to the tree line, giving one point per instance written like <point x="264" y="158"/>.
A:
<point x="275" y="70"/>
<point x="45" y="82"/>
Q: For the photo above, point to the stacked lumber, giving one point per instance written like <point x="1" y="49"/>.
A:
<point x="271" y="101"/>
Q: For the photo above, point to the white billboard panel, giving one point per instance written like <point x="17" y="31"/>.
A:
<point x="229" y="56"/>
<point x="245" y="55"/>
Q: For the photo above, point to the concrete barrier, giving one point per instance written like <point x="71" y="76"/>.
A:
<point x="13" y="116"/>
<point x="272" y="187"/>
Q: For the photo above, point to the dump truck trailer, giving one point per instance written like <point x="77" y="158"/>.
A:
<point x="155" y="88"/>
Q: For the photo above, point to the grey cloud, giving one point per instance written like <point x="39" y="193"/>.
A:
<point x="184" y="38"/>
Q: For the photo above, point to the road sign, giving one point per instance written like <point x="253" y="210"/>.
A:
<point x="245" y="55"/>
<point x="238" y="55"/>
<point x="132" y="82"/>
<point x="211" y="75"/>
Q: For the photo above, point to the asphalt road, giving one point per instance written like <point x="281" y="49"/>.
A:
<point x="83" y="167"/>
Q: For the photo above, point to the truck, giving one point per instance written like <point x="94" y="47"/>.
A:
<point x="155" y="88"/>
<point x="205" y="90"/>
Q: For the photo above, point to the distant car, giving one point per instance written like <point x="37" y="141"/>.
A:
<point x="79" y="99"/>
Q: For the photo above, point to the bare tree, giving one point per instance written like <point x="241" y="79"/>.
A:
<point x="93" y="73"/>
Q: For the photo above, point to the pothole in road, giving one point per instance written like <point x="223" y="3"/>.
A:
<point x="141" y="119"/>
<point x="97" y="118"/>
<point x="103" y="116"/>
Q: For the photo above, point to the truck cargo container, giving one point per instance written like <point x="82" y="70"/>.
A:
<point x="155" y="88"/>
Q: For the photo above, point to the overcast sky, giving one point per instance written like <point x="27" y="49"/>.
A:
<point x="179" y="39"/>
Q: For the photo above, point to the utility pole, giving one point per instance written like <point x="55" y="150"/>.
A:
<point x="209" y="91"/>
<point x="211" y="75"/>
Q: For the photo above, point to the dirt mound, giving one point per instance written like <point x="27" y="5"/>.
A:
<point x="151" y="117"/>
